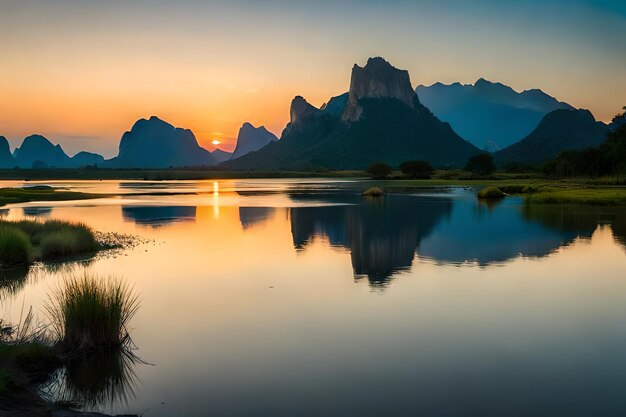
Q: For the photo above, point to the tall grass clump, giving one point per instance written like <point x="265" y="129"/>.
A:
<point x="92" y="312"/>
<point x="15" y="247"/>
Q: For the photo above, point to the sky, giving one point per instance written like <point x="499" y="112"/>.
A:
<point x="81" y="72"/>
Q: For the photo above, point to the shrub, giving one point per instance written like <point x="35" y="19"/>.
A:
<point x="490" y="193"/>
<point x="481" y="164"/>
<point x="92" y="312"/>
<point x="379" y="170"/>
<point x="373" y="192"/>
<point x="417" y="169"/>
<point x="15" y="247"/>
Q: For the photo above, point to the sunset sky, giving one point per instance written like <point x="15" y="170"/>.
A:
<point x="81" y="72"/>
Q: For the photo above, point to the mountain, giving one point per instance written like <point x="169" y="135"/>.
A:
<point x="155" y="143"/>
<point x="618" y="121"/>
<point x="6" y="158"/>
<point x="336" y="105"/>
<point x="488" y="113"/>
<point x="221" y="156"/>
<point x="558" y="131"/>
<point x="83" y="159"/>
<point x="382" y="120"/>
<point x="251" y="139"/>
<point x="38" y="152"/>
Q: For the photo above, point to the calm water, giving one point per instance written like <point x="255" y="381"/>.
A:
<point x="283" y="298"/>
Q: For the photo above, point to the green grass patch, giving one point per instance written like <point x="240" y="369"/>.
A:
<point x="24" y="241"/>
<point x="90" y="312"/>
<point x="23" y="195"/>
<point x="592" y="196"/>
<point x="15" y="246"/>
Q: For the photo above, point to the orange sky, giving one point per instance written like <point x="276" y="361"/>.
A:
<point x="81" y="73"/>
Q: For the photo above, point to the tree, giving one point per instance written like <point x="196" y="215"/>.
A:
<point x="379" y="170"/>
<point x="481" y="164"/>
<point x="417" y="169"/>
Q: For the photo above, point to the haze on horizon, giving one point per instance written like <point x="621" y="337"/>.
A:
<point x="82" y="72"/>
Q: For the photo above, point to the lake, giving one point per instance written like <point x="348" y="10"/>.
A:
<point x="300" y="297"/>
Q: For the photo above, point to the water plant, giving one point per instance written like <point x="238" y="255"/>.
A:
<point x="92" y="312"/>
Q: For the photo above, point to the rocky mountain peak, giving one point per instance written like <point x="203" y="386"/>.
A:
<point x="300" y="109"/>
<point x="377" y="79"/>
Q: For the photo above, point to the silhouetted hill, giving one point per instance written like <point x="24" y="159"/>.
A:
<point x="490" y="115"/>
<point x="382" y="120"/>
<point x="251" y="139"/>
<point x="82" y="159"/>
<point x="38" y="152"/>
<point x="558" y="131"/>
<point x="155" y="143"/>
<point x="6" y="158"/>
<point x="221" y="156"/>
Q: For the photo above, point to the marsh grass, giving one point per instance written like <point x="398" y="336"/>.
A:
<point x="15" y="246"/>
<point x="23" y="241"/>
<point x="490" y="193"/>
<point x="92" y="312"/>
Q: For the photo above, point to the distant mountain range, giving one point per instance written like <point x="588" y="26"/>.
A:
<point x="558" y="131"/>
<point x="380" y="119"/>
<point x="490" y="115"/>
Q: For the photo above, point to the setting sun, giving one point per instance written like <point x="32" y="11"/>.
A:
<point x="216" y="142"/>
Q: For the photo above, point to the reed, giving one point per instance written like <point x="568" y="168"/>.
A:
<point x="92" y="312"/>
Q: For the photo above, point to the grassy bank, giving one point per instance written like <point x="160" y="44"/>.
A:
<point x="26" y="241"/>
<point x="24" y="195"/>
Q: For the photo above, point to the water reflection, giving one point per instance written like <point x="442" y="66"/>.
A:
<point x="249" y="216"/>
<point x="37" y="211"/>
<point x="106" y="377"/>
<point x="381" y="234"/>
<point x="155" y="216"/>
<point x="12" y="281"/>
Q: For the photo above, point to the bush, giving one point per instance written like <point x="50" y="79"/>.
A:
<point x="490" y="193"/>
<point x="481" y="164"/>
<point x="373" y="192"/>
<point x="15" y="247"/>
<point x="417" y="169"/>
<point x="90" y="312"/>
<point x="379" y="170"/>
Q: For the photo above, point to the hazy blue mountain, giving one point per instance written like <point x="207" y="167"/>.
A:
<point x="382" y="120"/>
<point x="38" y="152"/>
<point x="558" y="131"/>
<point x="155" y="143"/>
<point x="6" y="158"/>
<point x="221" y="156"/>
<point x="82" y="159"/>
<point x="252" y="139"/>
<point x="489" y="115"/>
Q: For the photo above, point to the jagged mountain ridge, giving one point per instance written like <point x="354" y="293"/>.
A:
<point x="383" y="120"/>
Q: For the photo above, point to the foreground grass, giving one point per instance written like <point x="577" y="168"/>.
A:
<point x="25" y="241"/>
<point x="24" y="195"/>
<point x="92" y="312"/>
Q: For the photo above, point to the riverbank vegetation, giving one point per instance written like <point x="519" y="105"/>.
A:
<point x="26" y="194"/>
<point x="90" y="316"/>
<point x="25" y="241"/>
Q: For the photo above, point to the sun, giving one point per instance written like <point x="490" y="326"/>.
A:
<point x="216" y="142"/>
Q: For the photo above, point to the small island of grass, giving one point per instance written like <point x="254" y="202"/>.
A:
<point x="40" y="193"/>
<point x="26" y="241"/>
